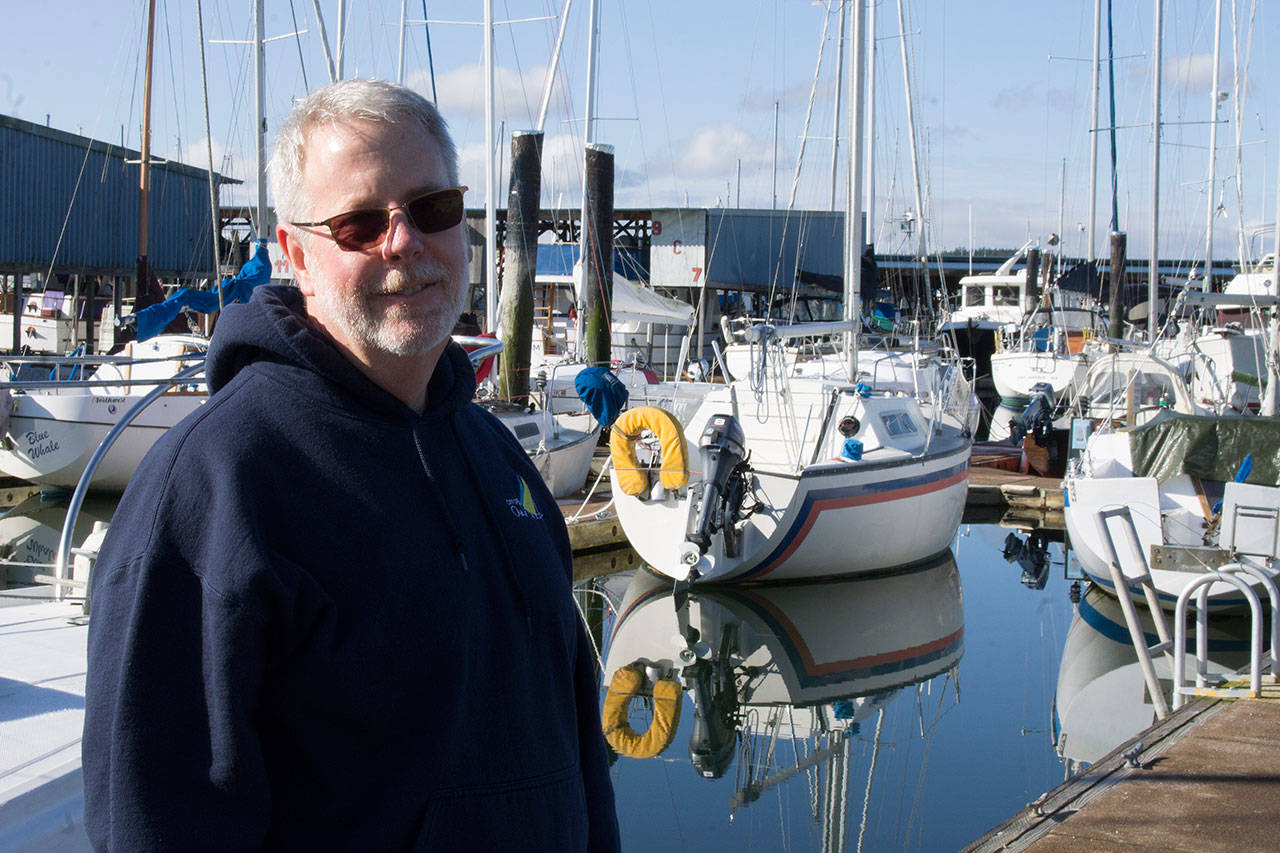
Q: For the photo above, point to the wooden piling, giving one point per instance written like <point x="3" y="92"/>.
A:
<point x="596" y="299"/>
<point x="1033" y="275"/>
<point x="1115" y="278"/>
<point x="520" y="264"/>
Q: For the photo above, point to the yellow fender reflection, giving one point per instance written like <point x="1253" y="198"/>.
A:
<point x="628" y="474"/>
<point x="624" y="687"/>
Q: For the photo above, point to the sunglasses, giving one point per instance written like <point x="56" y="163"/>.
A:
<point x="357" y="230"/>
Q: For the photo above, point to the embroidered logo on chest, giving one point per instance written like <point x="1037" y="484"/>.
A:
<point x="522" y="506"/>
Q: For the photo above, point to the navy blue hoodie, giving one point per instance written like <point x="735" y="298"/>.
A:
<point x="323" y="620"/>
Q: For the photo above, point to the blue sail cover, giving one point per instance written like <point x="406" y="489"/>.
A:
<point x="152" y="320"/>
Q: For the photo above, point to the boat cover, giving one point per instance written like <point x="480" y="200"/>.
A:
<point x="152" y="320"/>
<point x="1208" y="447"/>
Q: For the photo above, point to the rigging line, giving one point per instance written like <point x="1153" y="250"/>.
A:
<point x="173" y="77"/>
<point x="297" y="39"/>
<point x="866" y="800"/>
<point x="431" y="66"/>
<point x="662" y="99"/>
<point x="515" y="55"/>
<point x="1111" y="132"/>
<point x="808" y="113"/>
<point x="208" y="139"/>
<point x="924" y="764"/>
<point x="635" y="94"/>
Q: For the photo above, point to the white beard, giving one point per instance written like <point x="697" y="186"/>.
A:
<point x="400" y="332"/>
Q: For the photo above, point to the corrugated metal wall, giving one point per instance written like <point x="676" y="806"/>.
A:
<point x="73" y="201"/>
<point x="758" y="248"/>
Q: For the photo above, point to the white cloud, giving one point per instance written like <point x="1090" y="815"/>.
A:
<point x="461" y="92"/>
<point x="714" y="150"/>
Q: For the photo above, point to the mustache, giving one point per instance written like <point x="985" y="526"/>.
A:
<point x="402" y="278"/>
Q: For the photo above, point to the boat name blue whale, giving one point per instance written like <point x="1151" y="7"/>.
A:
<point x="39" y="443"/>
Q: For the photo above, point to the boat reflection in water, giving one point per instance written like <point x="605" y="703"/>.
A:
<point x="798" y="662"/>
<point x="1101" y="699"/>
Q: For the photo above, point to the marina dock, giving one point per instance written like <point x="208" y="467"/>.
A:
<point x="1204" y="779"/>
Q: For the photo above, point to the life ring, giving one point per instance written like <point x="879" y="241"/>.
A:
<point x="624" y="687"/>
<point x="628" y="473"/>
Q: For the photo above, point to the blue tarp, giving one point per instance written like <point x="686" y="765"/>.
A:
<point x="152" y="320"/>
<point x="603" y="393"/>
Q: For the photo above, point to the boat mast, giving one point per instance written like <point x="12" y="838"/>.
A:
<point x="144" y="177"/>
<point x="835" y="128"/>
<point x="260" y="109"/>
<point x="853" y="238"/>
<point x="490" y="182"/>
<point x="1210" y="208"/>
<point x="1271" y="391"/>
<point x="915" y="160"/>
<point x="869" y="173"/>
<point x="1093" y="135"/>
<point x="1153" y="278"/>
<point x="549" y="84"/>
<point x="588" y="137"/>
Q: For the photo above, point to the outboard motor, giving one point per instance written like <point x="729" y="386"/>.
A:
<point x="715" y="701"/>
<point x="723" y="449"/>
<point x="1036" y="420"/>
<point x="1032" y="556"/>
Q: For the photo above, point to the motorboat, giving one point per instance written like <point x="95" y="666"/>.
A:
<point x="1050" y="347"/>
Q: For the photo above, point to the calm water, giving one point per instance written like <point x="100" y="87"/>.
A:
<point x="910" y="712"/>
<point x="905" y="713"/>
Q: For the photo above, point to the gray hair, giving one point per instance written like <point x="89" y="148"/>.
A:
<point x="344" y="101"/>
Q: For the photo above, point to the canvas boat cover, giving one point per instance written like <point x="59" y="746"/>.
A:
<point x="1209" y="447"/>
<point x="152" y="320"/>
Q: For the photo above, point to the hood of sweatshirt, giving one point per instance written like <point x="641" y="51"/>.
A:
<point x="274" y="326"/>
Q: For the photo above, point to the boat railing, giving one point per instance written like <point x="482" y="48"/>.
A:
<point x="61" y="576"/>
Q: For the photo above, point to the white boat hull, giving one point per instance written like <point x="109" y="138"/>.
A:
<point x="1016" y="373"/>
<point x="52" y="436"/>
<point x="832" y="520"/>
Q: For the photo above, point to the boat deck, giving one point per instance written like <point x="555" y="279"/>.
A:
<point x="1205" y="779"/>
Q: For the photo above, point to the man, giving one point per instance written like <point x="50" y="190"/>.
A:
<point x="334" y="607"/>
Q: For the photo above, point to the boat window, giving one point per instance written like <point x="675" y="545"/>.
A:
<point x="898" y="423"/>
<point x="1004" y="295"/>
<point x="525" y="430"/>
<point x="1150" y="390"/>
<point x="973" y="296"/>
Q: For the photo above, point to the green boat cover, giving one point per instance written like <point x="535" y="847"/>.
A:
<point x="1208" y="447"/>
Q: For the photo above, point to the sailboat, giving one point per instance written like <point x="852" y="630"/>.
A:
<point x="796" y="477"/>
<point x="803" y="662"/>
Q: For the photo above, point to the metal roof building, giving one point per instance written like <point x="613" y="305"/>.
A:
<point x="71" y="203"/>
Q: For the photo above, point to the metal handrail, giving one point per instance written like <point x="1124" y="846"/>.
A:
<point x="43" y="384"/>
<point x="82" y="486"/>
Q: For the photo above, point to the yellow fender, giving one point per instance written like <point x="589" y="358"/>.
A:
<point x="624" y="687"/>
<point x="629" y="475"/>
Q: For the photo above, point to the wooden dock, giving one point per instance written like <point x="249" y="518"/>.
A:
<point x="1205" y="779"/>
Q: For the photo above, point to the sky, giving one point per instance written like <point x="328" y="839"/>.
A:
<point x="705" y="103"/>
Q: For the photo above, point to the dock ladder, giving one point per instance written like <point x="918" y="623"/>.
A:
<point x="1239" y="538"/>
<point x="1122" y="585"/>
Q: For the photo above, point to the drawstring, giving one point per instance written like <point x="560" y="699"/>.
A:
<point x="459" y="546"/>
